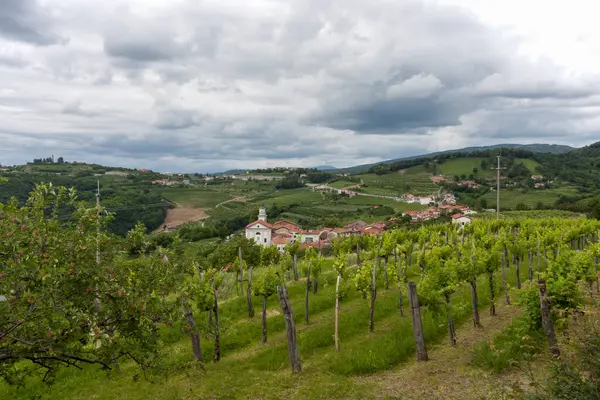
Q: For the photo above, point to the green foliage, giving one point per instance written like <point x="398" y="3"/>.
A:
<point x="563" y="293"/>
<point x="363" y="276"/>
<point x="576" y="376"/>
<point x="266" y="283"/>
<point x="62" y="307"/>
<point x="516" y="343"/>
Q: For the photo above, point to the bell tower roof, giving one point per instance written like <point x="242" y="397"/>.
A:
<point x="262" y="213"/>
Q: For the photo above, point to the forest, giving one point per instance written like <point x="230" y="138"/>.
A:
<point x="130" y="201"/>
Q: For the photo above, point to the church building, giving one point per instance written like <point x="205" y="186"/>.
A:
<point x="260" y="230"/>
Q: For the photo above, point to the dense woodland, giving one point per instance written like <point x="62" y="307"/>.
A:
<point x="131" y="199"/>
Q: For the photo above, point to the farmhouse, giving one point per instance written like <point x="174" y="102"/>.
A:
<point x="460" y="219"/>
<point x="423" y="200"/>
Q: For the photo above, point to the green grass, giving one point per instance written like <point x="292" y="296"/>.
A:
<point x="529" y="163"/>
<point x="515" y="343"/>
<point x="415" y="180"/>
<point x="194" y="197"/>
<point x="510" y="198"/>
<point x="341" y="184"/>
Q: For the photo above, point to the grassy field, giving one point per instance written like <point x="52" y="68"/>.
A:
<point x="341" y="184"/>
<point x="510" y="198"/>
<point x="529" y="163"/>
<point x="249" y="369"/>
<point x="413" y="180"/>
<point x="194" y="197"/>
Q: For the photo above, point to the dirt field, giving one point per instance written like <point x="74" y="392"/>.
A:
<point x="181" y="215"/>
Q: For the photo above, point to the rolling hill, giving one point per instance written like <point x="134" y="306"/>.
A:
<point x="538" y="148"/>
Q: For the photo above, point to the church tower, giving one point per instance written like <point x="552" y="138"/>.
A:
<point x="262" y="213"/>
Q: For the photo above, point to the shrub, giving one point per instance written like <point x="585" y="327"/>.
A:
<point x="517" y="342"/>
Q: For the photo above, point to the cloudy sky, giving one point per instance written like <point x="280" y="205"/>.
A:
<point x="208" y="85"/>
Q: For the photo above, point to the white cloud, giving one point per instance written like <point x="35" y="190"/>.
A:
<point x="187" y="85"/>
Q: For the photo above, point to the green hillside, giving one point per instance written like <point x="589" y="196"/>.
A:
<point x="538" y="148"/>
<point x="193" y="197"/>
<point x="464" y="166"/>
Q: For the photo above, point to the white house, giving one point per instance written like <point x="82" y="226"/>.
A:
<point x="260" y="230"/>
<point x="425" y="200"/>
<point x="460" y="219"/>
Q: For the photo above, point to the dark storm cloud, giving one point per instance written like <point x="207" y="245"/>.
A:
<point x="142" y="50"/>
<point x="21" y="20"/>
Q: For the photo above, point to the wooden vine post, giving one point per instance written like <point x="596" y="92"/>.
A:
<point x="249" y="294"/>
<point x="546" y="320"/>
<point x="308" y="285"/>
<point x="295" y="266"/>
<point x="192" y="328"/>
<point x="217" y="349"/>
<point x="530" y="271"/>
<point x="336" y="322"/>
<point x="264" y="320"/>
<point x="290" y="328"/>
<point x="241" y="281"/>
<point x="373" y="297"/>
<point x="474" y="297"/>
<point x="417" y="323"/>
<point x="504" y="283"/>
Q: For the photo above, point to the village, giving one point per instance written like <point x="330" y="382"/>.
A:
<point x="283" y="232"/>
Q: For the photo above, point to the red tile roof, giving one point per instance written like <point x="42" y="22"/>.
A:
<point x="285" y="223"/>
<point x="258" y="221"/>
<point x="457" y="216"/>
<point x="279" y="240"/>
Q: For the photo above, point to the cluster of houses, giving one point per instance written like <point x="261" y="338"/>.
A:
<point x="281" y="233"/>
<point x="538" y="182"/>
<point x="460" y="215"/>
<point x="466" y="183"/>
<point x="169" y="182"/>
<point x="342" y="192"/>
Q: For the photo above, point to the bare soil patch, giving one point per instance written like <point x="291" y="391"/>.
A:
<point x="180" y="215"/>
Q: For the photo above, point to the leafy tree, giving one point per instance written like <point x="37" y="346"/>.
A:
<point x="65" y="304"/>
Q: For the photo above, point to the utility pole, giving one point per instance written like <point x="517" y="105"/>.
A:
<point x="98" y="224"/>
<point x="498" y="168"/>
<point x="96" y="299"/>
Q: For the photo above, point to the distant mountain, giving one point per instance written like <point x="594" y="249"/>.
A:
<point x="325" y="167"/>
<point x="232" y="172"/>
<point x="536" y="147"/>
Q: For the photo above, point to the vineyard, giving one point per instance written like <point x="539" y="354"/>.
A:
<point x="99" y="316"/>
<point x="415" y="180"/>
